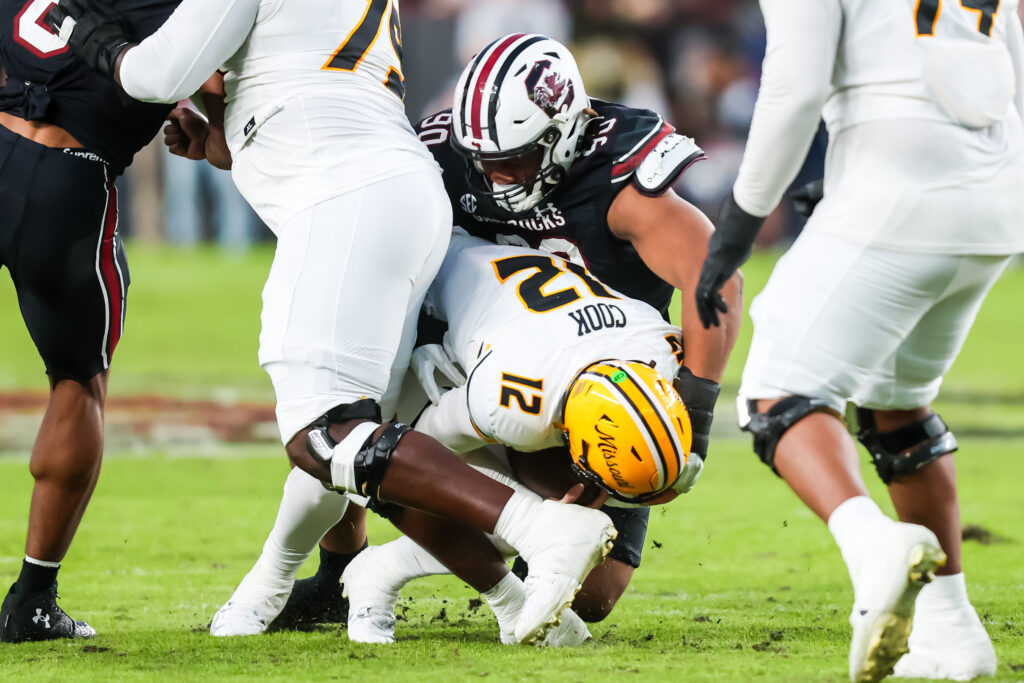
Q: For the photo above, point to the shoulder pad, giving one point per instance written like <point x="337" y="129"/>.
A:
<point x="665" y="163"/>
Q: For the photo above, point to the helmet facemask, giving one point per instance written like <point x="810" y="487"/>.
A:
<point x="516" y="197"/>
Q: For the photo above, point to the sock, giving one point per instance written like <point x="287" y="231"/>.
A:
<point x="517" y="518"/>
<point x="307" y="512"/>
<point x="852" y="525"/>
<point x="36" y="576"/>
<point x="944" y="593"/>
<point x="506" y="601"/>
<point x="401" y="561"/>
<point x="333" y="564"/>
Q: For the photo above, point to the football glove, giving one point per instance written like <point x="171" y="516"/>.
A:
<point x="806" y="197"/>
<point x="688" y="477"/>
<point x="430" y="359"/>
<point x="729" y="248"/>
<point x="92" y="30"/>
<point x="699" y="396"/>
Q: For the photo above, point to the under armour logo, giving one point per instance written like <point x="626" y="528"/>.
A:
<point x="40" y="617"/>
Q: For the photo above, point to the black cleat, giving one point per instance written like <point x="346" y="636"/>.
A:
<point x="38" y="617"/>
<point x="314" y="601"/>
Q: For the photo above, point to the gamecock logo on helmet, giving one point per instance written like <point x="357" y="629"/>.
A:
<point x="549" y="91"/>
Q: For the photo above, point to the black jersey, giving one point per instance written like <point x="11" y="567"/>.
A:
<point x="572" y="222"/>
<point x="46" y="82"/>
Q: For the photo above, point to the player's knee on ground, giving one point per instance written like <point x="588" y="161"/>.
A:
<point x="907" y="449"/>
<point x="768" y="426"/>
<point x="602" y="590"/>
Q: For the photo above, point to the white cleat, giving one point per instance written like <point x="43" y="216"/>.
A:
<point x="371" y="606"/>
<point x="252" y="607"/>
<point x="948" y="644"/>
<point x="371" y="625"/>
<point x="885" y="588"/>
<point x="570" y="632"/>
<point x="567" y="541"/>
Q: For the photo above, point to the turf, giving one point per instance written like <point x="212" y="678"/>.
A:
<point x="739" y="581"/>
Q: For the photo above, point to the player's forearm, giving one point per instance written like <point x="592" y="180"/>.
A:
<point x="195" y="41"/>
<point x="803" y="36"/>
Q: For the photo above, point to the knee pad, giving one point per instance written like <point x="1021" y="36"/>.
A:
<point x="768" y="427"/>
<point x="358" y="462"/>
<point x="906" y="449"/>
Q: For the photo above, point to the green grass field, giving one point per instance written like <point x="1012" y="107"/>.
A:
<point x="739" y="581"/>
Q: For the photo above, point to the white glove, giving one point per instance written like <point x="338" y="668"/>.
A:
<point x="691" y="472"/>
<point x="430" y="359"/>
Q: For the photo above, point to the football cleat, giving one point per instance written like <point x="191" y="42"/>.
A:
<point x="570" y="632"/>
<point x="947" y="644"/>
<point x="252" y="607"/>
<point x="371" y="606"/>
<point x="564" y="544"/>
<point x="313" y="601"/>
<point x="38" y="617"/>
<point x="885" y="587"/>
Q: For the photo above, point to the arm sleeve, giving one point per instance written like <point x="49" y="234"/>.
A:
<point x="796" y="79"/>
<point x="195" y="41"/>
<point x="1015" y="43"/>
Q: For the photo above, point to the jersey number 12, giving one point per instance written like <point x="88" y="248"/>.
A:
<point x="928" y="13"/>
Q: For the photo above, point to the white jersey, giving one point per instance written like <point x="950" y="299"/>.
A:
<point x="523" y="323"/>
<point x="314" y="92"/>
<point x="869" y="63"/>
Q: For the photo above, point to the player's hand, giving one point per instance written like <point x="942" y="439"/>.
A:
<point x="699" y="396"/>
<point x="690" y="474"/>
<point x="587" y="496"/>
<point x="729" y="248"/>
<point x="92" y="30"/>
<point x="185" y="134"/>
<point x="805" y="198"/>
<point x="430" y="359"/>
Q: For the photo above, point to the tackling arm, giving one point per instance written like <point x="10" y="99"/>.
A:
<point x="671" y="236"/>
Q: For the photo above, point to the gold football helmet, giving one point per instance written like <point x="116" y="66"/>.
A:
<point x="627" y="429"/>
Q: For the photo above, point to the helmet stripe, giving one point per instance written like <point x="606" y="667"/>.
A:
<point x="464" y="113"/>
<point x="492" y="104"/>
<point x="479" y="82"/>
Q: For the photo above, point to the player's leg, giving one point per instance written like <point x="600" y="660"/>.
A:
<point x="71" y="277"/>
<point x="316" y="599"/>
<point x="913" y="450"/>
<point x="803" y="364"/>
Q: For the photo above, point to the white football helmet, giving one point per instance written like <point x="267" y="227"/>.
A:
<point x="520" y="105"/>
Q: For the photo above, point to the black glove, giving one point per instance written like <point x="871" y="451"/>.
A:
<point x="729" y="247"/>
<point x="99" y="34"/>
<point x="699" y="396"/>
<point x="807" y="197"/>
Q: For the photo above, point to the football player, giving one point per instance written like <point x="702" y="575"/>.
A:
<point x="922" y="211"/>
<point x="65" y="135"/>
<point x="320" y="147"/>
<point x="529" y="159"/>
<point x="538" y="339"/>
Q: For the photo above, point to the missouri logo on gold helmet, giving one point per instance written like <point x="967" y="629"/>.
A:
<point x="627" y="429"/>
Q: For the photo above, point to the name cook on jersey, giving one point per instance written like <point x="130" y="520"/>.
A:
<point x="594" y="317"/>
